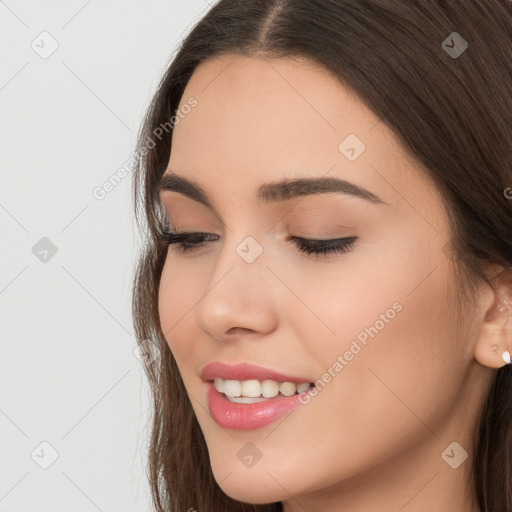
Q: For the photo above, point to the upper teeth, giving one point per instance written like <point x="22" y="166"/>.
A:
<point x="255" y="388"/>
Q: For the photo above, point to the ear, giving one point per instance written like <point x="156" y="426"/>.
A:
<point x="494" y="344"/>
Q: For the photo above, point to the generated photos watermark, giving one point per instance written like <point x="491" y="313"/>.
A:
<point x="343" y="360"/>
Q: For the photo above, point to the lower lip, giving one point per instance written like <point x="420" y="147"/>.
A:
<point x="248" y="416"/>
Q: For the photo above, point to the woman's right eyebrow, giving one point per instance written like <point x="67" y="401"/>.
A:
<point x="281" y="190"/>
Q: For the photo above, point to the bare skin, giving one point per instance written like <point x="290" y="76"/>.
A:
<point x="374" y="437"/>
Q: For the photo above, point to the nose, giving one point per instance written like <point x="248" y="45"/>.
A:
<point x="238" y="300"/>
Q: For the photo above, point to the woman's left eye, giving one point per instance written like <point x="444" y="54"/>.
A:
<point x="189" y="242"/>
<point x="324" y="247"/>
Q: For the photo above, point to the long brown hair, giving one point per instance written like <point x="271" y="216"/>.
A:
<point x="453" y="112"/>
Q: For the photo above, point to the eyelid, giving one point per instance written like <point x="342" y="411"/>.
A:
<point x="184" y="242"/>
<point x="320" y="233"/>
<point x="304" y="215"/>
<point x="324" y="235"/>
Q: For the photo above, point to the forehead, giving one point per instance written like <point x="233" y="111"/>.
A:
<point x="293" y="98"/>
<point x="261" y="119"/>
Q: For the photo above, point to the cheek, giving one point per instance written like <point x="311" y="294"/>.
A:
<point x="409" y="365"/>
<point x="391" y="324"/>
<point x="176" y="298"/>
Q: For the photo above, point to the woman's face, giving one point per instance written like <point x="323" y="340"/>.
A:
<point x="374" y="326"/>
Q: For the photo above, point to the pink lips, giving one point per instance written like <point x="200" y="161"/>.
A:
<point x="247" y="416"/>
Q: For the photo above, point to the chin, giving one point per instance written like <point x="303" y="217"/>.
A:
<point x="248" y="485"/>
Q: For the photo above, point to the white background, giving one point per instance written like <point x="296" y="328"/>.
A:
<point x="68" y="373"/>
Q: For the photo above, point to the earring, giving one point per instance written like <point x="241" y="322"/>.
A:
<point x="503" y="308"/>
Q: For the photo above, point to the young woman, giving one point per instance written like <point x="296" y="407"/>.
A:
<point x="326" y="187"/>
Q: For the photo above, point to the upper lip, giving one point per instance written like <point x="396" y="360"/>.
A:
<point x="245" y="371"/>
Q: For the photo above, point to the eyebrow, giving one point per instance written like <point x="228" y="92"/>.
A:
<point x="273" y="191"/>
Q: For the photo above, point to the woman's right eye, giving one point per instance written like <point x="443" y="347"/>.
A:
<point x="187" y="242"/>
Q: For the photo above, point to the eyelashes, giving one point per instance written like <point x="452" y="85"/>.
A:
<point x="186" y="243"/>
<point x="324" y="247"/>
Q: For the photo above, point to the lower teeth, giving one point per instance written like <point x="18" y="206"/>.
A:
<point x="246" y="399"/>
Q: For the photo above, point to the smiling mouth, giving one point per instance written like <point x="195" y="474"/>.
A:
<point x="253" y="391"/>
